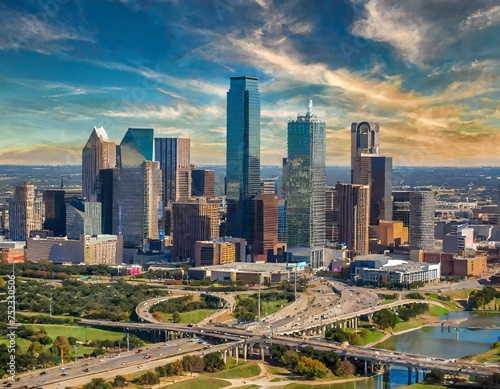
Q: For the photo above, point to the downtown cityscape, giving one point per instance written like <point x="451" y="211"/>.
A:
<point x="251" y="211"/>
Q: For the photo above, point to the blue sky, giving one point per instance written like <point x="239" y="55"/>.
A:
<point x="427" y="71"/>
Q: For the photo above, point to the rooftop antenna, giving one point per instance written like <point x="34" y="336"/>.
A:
<point x="310" y="107"/>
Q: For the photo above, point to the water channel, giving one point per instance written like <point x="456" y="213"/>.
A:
<point x="439" y="342"/>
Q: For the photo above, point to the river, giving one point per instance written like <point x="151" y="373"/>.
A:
<point x="440" y="342"/>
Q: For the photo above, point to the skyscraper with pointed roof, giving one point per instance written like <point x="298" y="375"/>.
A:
<point x="98" y="153"/>
<point x="306" y="184"/>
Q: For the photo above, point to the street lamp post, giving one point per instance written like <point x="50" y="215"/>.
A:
<point x="258" y="308"/>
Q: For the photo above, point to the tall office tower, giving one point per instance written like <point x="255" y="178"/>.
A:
<point x="203" y="183"/>
<point x="330" y="216"/>
<point x="98" y="153"/>
<point x="282" y="221"/>
<point x="137" y="190"/>
<point x="83" y="218"/>
<point x="193" y="220"/>
<point x="55" y="211"/>
<point x="352" y="205"/>
<point x="305" y="185"/>
<point x="174" y="156"/>
<point x="242" y="150"/>
<point x="283" y="178"/>
<point x="25" y="211"/>
<point x="369" y="168"/>
<point x="264" y="233"/>
<point x="105" y="197"/>
<point x="422" y="210"/>
<point x="401" y="207"/>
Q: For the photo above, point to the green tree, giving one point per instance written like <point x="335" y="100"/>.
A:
<point x="336" y="335"/>
<point x="72" y="340"/>
<point x="290" y="358"/>
<point x="148" y="378"/>
<point x="384" y="319"/>
<point x="213" y="362"/>
<point x="97" y="383"/>
<point x="61" y="348"/>
<point x="119" y="381"/>
<point x="35" y="348"/>
<point x="311" y="368"/>
<point x="345" y="369"/>
<point x="176" y="317"/>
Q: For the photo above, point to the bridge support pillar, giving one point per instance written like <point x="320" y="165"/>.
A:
<point x="224" y="356"/>
<point x="261" y="351"/>
<point x="366" y="368"/>
<point x="356" y="321"/>
<point x="245" y="350"/>
<point x="236" y="352"/>
<point x="409" y="375"/>
<point x="416" y="375"/>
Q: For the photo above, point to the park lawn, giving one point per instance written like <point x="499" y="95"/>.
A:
<point x="200" y="383"/>
<point x="406" y="325"/>
<point x="247" y="387"/>
<point x="82" y="334"/>
<point x="64" y="317"/>
<point x="317" y="386"/>
<point x="24" y="344"/>
<point x="491" y="355"/>
<point x="436" y="310"/>
<point x="373" y="335"/>
<point x="276" y="370"/>
<point x="191" y="317"/>
<point x="270" y="307"/>
<point x="244" y="371"/>
<point x="460" y="294"/>
<point x="452" y="305"/>
<point x="388" y="301"/>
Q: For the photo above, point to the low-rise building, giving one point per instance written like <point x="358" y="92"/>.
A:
<point x="455" y="265"/>
<point x="376" y="269"/>
<point x="209" y="253"/>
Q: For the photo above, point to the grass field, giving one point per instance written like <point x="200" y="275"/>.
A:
<point x="492" y="355"/>
<point x="247" y="387"/>
<point x="270" y="307"/>
<point x="80" y="333"/>
<point x="244" y="371"/>
<point x="406" y="325"/>
<point x="200" y="383"/>
<point x="188" y="317"/>
<point x="436" y="310"/>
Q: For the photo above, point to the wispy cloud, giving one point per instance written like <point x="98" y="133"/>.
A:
<point x="482" y="18"/>
<point x="28" y="32"/>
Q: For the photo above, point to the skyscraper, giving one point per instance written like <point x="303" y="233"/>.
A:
<point x="368" y="167"/>
<point x="136" y="189"/>
<point x="174" y="156"/>
<point x="193" y="220"/>
<point x="243" y="138"/>
<point x="26" y="212"/>
<point x="305" y="184"/>
<point x="422" y="210"/>
<point x="352" y="206"/>
<point x="203" y="183"/>
<point x="55" y="211"/>
<point x="98" y="153"/>
<point x="242" y="152"/>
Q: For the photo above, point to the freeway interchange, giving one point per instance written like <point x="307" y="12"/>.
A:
<point x="327" y="303"/>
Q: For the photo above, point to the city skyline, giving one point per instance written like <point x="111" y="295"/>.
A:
<point x="432" y="87"/>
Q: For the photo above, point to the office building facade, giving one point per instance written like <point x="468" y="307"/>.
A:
<point x="242" y="151"/>
<point x="55" y="211"/>
<point x="26" y="211"/>
<point x="98" y="153"/>
<point x="422" y="210"/>
<point x="193" y="220"/>
<point x="83" y="218"/>
<point x="368" y="167"/>
<point x="352" y="206"/>
<point x="305" y="184"/>
<point x="203" y="183"/>
<point x="174" y="156"/>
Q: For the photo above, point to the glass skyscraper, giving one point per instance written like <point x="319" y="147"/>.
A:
<point x="243" y="138"/>
<point x="242" y="152"/>
<point x="306" y="184"/>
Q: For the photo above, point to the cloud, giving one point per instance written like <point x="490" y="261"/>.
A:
<point x="422" y="31"/>
<point x="482" y="18"/>
<point x="29" y="32"/>
<point x="171" y="94"/>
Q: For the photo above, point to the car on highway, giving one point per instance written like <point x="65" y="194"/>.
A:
<point x="43" y="373"/>
<point x="139" y="351"/>
<point x="86" y="370"/>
